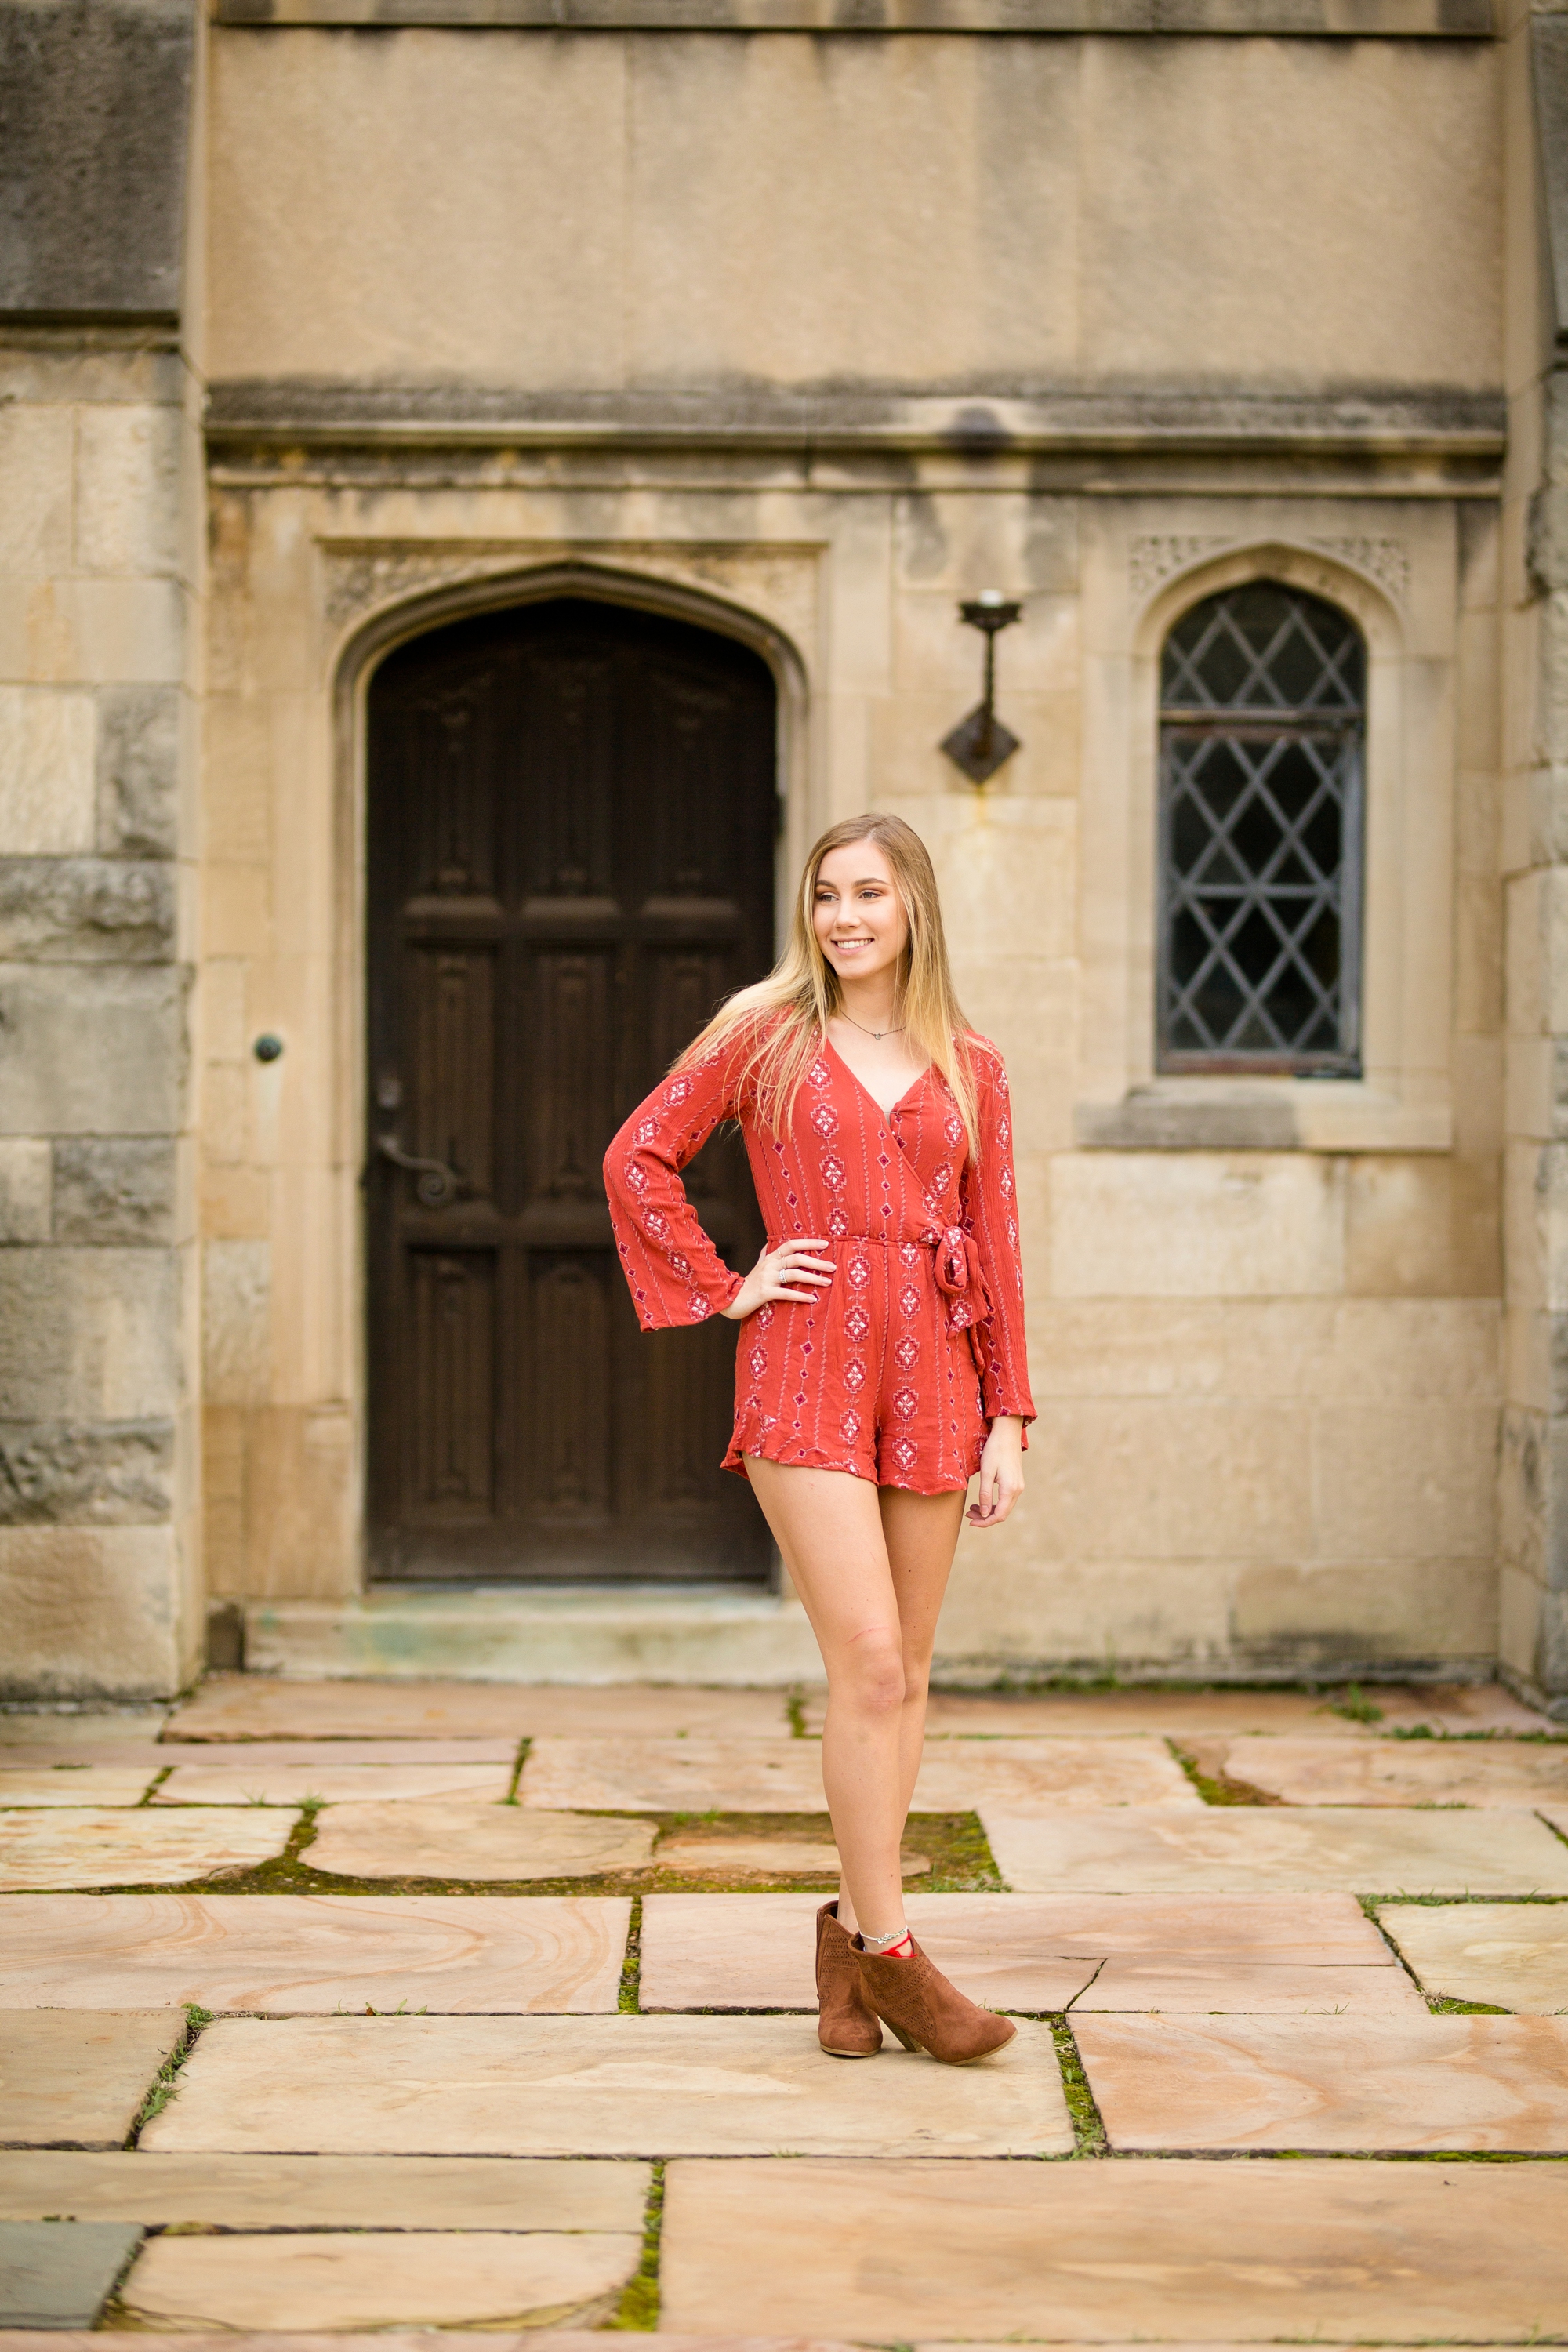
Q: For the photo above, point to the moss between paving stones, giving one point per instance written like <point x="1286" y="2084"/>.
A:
<point x="1218" y="1788"/>
<point x="961" y="1863"/>
<point x="638" y="2305"/>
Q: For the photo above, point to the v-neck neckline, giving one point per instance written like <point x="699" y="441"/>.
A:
<point x="866" y="1090"/>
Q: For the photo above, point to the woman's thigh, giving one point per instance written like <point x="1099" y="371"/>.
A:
<point x="829" y="1528"/>
<point x="922" y="1535"/>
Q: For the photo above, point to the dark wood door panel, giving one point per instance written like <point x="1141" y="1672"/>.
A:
<point x="572" y="822"/>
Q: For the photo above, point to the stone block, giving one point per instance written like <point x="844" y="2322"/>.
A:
<point x="103" y="1846"/>
<point x="661" y="1776"/>
<point x="138" y="770"/>
<point x="90" y="631"/>
<point x="1509" y="1955"/>
<point x="79" y="2081"/>
<point x="127" y="501"/>
<point x="1426" y="1225"/>
<point x="35" y="463"/>
<point x="1242" y="1851"/>
<point x="326" y="2192"/>
<point x="1198" y="1225"/>
<point x="86" y="1474"/>
<point x="1416" y="2085"/>
<point x="90" y="1050"/>
<point x="53" y="1783"/>
<point x="235" y="1292"/>
<point x="88" y="1334"/>
<point x="1216" y="2253"/>
<point x="1406" y="1481"/>
<point x="90" y="1611"/>
<point x="1508" y="1772"/>
<point x="246" y="1707"/>
<point x="338" y="2281"/>
<point x="59" y="2275"/>
<point x="1336" y="1617"/>
<point x="46" y="752"/>
<point x="1174" y="1477"/>
<point x="86" y="910"/>
<point x="445" y="1838"/>
<point x="114" y="1191"/>
<point x="295" y="1954"/>
<point x="596" y="2086"/>
<point x="237" y="1776"/>
<point x="24" y="1198"/>
<point x="303" y="1498"/>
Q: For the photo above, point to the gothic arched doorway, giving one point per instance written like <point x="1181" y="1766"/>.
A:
<point x="571" y="819"/>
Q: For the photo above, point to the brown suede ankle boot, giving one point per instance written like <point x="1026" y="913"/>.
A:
<point x="845" y="2026"/>
<point x="925" y="2011"/>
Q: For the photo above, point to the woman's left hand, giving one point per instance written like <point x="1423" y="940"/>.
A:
<point x="1000" y="1472"/>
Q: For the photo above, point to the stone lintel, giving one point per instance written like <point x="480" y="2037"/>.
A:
<point x="1310" y="19"/>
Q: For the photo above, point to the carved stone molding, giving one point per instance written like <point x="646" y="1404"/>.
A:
<point x="1387" y="559"/>
<point x="1156" y="555"/>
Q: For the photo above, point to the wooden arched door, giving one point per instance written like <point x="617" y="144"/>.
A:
<point x="571" y="819"/>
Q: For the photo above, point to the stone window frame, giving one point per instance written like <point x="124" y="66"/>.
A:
<point x="1402" y="1101"/>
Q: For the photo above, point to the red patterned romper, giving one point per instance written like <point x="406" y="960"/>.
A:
<point x="893" y="1372"/>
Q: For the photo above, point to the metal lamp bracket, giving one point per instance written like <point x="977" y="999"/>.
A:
<point x="980" y="744"/>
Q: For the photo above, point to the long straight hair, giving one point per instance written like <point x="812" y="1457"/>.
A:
<point x="775" y="1029"/>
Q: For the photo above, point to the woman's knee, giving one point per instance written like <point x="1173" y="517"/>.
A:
<point x="869" y="1674"/>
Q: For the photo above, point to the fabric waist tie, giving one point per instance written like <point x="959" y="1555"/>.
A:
<point x="955" y="1262"/>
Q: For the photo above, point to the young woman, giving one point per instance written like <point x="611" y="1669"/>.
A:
<point x="881" y="1364"/>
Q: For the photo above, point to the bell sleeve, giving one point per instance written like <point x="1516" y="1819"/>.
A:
<point x="990" y="1203"/>
<point x="674" y="1272"/>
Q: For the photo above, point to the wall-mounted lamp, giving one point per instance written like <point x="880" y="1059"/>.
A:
<point x="980" y="744"/>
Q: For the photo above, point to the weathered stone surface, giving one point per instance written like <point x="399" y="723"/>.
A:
<point x="238" y="1708"/>
<point x="90" y="1611"/>
<point x="81" y="1474"/>
<point x="71" y="2080"/>
<point x="103" y="1848"/>
<point x="959" y="1775"/>
<point x="1204" y="1715"/>
<point x="1509" y="1955"/>
<point x="597" y="2086"/>
<point x="447" y="1838"/>
<point x="45" y="771"/>
<point x="74" y="1783"/>
<point x="114" y="1190"/>
<point x="138" y="770"/>
<point x="672" y="1776"/>
<point x="325" y="2192"/>
<point x="86" y="910"/>
<point x="57" y="2274"/>
<point x="762" y="1857"/>
<point x="1040" y="1952"/>
<point x="1480" y="2084"/>
<point x="1401" y="1772"/>
<point x="26" y="1208"/>
<point x="94" y="133"/>
<point x="1198" y="2252"/>
<point x="89" y="1049"/>
<point x="235" y="1780"/>
<point x="88" y="1334"/>
<point x="313" y="1952"/>
<point x="1241" y="1849"/>
<point x="378" y="2279"/>
<point x="50" y="1732"/>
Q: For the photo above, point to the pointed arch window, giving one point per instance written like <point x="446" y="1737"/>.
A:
<point x="1262" y="737"/>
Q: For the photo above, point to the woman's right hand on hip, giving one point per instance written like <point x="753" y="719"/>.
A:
<point x="780" y="1274"/>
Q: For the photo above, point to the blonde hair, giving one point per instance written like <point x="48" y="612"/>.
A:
<point x="774" y="1028"/>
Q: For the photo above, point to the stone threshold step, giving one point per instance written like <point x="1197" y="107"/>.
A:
<point x="714" y="1633"/>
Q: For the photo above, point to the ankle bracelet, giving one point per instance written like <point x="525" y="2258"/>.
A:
<point x="878" y="1944"/>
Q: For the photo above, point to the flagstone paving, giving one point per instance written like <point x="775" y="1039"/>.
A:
<point x="372" y="2280"/>
<point x="238" y="1780"/>
<point x="57" y="2274"/>
<point x="597" y="2086"/>
<point x="1035" y="1953"/>
<point x="482" y="2140"/>
<point x="77" y="1784"/>
<point x="445" y="1839"/>
<point x="1509" y="1955"/>
<point x="1401" y="1772"/>
<point x="325" y="2192"/>
<point x="102" y="1847"/>
<point x="79" y="2081"/>
<point x="286" y="1953"/>
<point x="252" y="1707"/>
<point x="1244" y="2252"/>
<point x="1241" y="1849"/>
<point x="1483" y="2084"/>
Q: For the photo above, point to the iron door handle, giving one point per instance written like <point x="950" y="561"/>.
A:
<point x="436" y="1184"/>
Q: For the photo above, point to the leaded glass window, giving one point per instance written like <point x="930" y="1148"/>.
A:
<point x="1262" y="718"/>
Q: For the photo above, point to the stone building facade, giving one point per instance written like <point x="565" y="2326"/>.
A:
<point x="331" y="326"/>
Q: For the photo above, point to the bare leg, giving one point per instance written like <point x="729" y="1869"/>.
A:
<point x="870" y="1567"/>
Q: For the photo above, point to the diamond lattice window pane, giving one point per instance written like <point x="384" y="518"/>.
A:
<point x="1260" y="782"/>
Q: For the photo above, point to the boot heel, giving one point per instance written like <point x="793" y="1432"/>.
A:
<point x="926" y="2013"/>
<point x="907" y="2038"/>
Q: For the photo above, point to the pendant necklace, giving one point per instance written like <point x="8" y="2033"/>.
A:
<point x="878" y="1033"/>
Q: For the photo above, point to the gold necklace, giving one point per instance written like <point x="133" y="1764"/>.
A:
<point x="878" y="1033"/>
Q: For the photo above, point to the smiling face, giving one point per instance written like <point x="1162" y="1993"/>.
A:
<point x="858" y="914"/>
